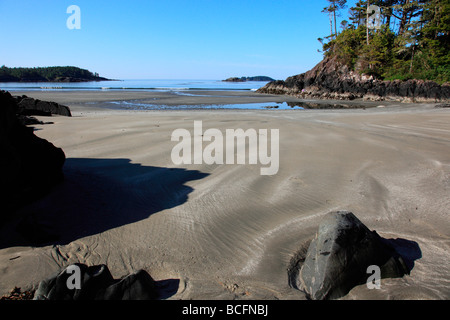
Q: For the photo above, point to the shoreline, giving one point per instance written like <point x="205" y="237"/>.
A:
<point x="98" y="101"/>
<point x="225" y="231"/>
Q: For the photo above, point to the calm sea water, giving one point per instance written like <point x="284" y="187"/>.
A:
<point x="180" y="87"/>
<point x="146" y="85"/>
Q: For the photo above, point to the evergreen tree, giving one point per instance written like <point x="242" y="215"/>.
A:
<point x="333" y="11"/>
<point x="414" y="41"/>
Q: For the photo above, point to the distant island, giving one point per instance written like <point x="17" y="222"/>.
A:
<point x="245" y="79"/>
<point x="48" y="74"/>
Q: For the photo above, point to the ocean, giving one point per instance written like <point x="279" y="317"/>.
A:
<point x="179" y="87"/>
<point x="145" y="85"/>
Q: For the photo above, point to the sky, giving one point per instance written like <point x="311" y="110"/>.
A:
<point x="166" y="39"/>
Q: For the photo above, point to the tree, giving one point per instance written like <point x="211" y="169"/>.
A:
<point x="405" y="11"/>
<point x="330" y="15"/>
<point x="357" y="14"/>
<point x="386" y="10"/>
<point x="333" y="12"/>
<point x="344" y="24"/>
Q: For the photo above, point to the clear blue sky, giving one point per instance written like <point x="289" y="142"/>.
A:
<point x="166" y="39"/>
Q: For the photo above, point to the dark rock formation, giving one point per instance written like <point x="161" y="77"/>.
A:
<point x="332" y="80"/>
<point x="30" y="166"/>
<point x="339" y="255"/>
<point x="245" y="79"/>
<point x="29" y="106"/>
<point x="97" y="283"/>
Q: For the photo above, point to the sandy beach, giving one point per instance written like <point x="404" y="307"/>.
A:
<point x="226" y="231"/>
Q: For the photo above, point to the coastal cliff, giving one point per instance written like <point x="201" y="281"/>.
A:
<point x="331" y="79"/>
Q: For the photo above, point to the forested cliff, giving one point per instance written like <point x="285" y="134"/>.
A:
<point x="387" y="49"/>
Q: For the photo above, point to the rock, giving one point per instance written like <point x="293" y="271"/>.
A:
<point x="339" y="255"/>
<point x="271" y="107"/>
<point x="28" y="120"/>
<point x="234" y="79"/>
<point x="97" y="283"/>
<point x="245" y="79"/>
<point x="30" y="166"/>
<point x="331" y="76"/>
<point x="30" y="106"/>
<point x="17" y="294"/>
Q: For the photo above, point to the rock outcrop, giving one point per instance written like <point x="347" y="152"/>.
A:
<point x="29" y="106"/>
<point x="338" y="257"/>
<point x="245" y="79"/>
<point x="30" y="166"/>
<point x="96" y="283"/>
<point x="333" y="80"/>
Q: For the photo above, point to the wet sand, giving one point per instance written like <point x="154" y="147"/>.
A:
<point x="226" y="231"/>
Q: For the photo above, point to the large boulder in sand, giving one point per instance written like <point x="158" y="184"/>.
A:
<point x="96" y="283"/>
<point x="339" y="255"/>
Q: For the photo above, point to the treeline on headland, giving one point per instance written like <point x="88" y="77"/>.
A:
<point x="411" y="40"/>
<point x="48" y="74"/>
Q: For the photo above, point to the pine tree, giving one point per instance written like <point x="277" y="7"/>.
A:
<point x="333" y="11"/>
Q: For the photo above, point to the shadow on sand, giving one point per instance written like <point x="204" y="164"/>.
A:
<point x="409" y="251"/>
<point x="98" y="195"/>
